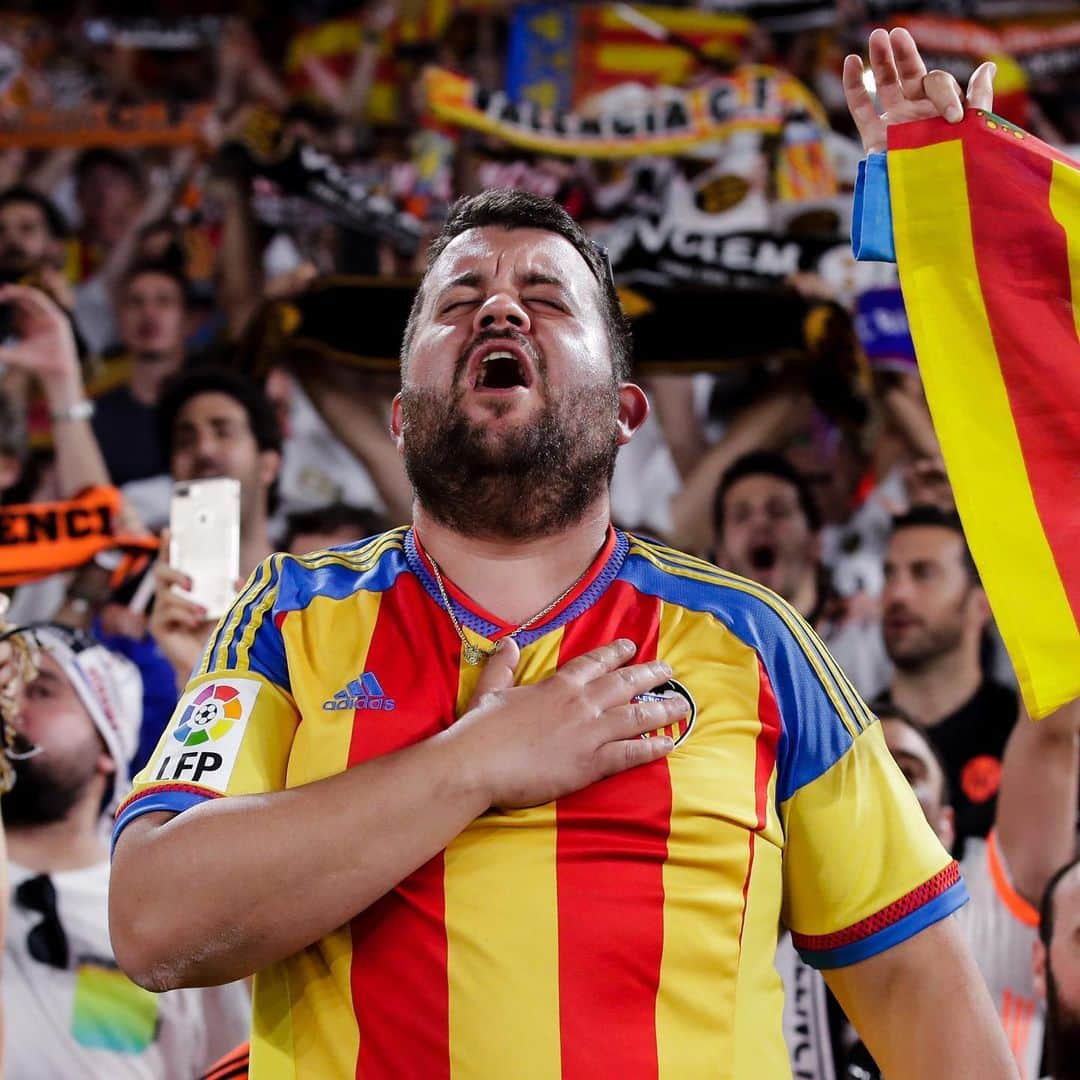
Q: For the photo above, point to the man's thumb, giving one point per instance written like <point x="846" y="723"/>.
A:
<point x="499" y="668"/>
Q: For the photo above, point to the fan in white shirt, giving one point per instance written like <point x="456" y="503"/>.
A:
<point x="69" y="1010"/>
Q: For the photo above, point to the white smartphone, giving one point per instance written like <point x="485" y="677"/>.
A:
<point x="204" y="531"/>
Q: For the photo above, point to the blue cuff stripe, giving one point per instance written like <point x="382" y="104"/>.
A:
<point x="931" y="912"/>
<point x="173" y="802"/>
<point x="871" y="219"/>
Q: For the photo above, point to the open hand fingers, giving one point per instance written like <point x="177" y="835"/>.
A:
<point x="597" y="662"/>
<point x="616" y="757"/>
<point x="980" y="88"/>
<point x="943" y="92"/>
<point x="172" y="608"/>
<point x="909" y="64"/>
<point x="861" y="105"/>
<point x="168" y="577"/>
<point x="883" y="65"/>
<point x="618" y="687"/>
<point x="498" y="670"/>
<point x="638" y="718"/>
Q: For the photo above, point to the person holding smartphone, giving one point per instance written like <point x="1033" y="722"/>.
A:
<point x="213" y="424"/>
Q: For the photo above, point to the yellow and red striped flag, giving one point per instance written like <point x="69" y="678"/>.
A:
<point x="986" y="220"/>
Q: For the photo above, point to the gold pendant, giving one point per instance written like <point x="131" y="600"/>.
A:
<point x="473" y="655"/>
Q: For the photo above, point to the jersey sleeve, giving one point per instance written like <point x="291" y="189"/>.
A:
<point x="862" y="869"/>
<point x="232" y="731"/>
<point x="871" y="214"/>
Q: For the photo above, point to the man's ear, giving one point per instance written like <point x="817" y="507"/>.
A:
<point x="980" y="605"/>
<point x="633" y="410"/>
<point x="1038" y="968"/>
<point x="946" y="829"/>
<point x="395" y="420"/>
<point x="269" y="466"/>
<point x="105" y="764"/>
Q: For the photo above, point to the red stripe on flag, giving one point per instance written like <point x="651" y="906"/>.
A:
<point x="1022" y="256"/>
<point x="765" y="749"/>
<point x="399" y="979"/>
<point x="611" y="849"/>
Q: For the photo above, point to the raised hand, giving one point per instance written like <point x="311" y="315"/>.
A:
<point x="528" y="745"/>
<point x="906" y="90"/>
<point x="44" y="345"/>
<point x="178" y="624"/>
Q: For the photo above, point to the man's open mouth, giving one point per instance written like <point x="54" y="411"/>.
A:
<point x="500" y="368"/>
<point x="763" y="556"/>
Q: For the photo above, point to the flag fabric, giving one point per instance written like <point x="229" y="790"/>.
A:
<point x="986" y="221"/>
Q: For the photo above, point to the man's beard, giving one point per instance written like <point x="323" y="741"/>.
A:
<point x="532" y="482"/>
<point x="1062" y="1033"/>
<point x="44" y="791"/>
<point x="927" y="646"/>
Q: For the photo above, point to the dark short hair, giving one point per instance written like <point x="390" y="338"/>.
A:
<point x="764" y="463"/>
<point x="1046" y="905"/>
<point x="361" y="520"/>
<point x="210" y="379"/>
<point x="54" y="220"/>
<point x="512" y="209"/>
<point x="157" y="266"/>
<point x="928" y="516"/>
<point x="217" y="380"/>
<point x="107" y="157"/>
<point x="886" y="709"/>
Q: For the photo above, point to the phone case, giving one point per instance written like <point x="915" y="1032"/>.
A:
<point x="204" y="528"/>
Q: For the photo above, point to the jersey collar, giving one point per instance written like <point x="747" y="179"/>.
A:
<point x="603" y="571"/>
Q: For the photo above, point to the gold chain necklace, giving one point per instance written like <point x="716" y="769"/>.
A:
<point x="473" y="653"/>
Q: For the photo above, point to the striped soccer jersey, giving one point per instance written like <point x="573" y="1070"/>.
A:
<point x="627" y="930"/>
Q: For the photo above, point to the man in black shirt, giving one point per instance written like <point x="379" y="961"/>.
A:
<point x="151" y="309"/>
<point x="935" y="616"/>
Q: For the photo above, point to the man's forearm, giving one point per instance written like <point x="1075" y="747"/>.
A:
<point x="79" y="461"/>
<point x="276" y="872"/>
<point x="923" y="1010"/>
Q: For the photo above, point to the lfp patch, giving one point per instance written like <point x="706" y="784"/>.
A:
<point x="209" y="730"/>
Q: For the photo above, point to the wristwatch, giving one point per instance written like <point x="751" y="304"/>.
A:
<point x="79" y="410"/>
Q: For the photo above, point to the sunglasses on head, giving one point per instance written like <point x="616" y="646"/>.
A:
<point x="47" y="941"/>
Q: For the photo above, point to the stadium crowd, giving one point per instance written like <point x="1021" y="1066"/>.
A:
<point x="210" y="230"/>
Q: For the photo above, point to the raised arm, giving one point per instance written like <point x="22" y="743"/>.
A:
<point x="274" y="873"/>
<point x="45" y="349"/>
<point x="349" y="403"/>
<point x="1036" y="808"/>
<point x="923" y="1010"/>
<point x="767" y="424"/>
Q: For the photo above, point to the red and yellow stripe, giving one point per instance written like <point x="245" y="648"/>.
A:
<point x="987" y="226"/>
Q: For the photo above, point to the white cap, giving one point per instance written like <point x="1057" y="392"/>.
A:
<point x="110" y="687"/>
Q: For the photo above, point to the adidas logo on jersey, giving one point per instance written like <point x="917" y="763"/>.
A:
<point x="362" y="693"/>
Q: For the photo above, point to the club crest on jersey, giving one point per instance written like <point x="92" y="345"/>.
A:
<point x="362" y="693"/>
<point x="684" y="725"/>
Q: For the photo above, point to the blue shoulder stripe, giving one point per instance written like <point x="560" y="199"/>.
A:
<point x="337" y="573"/>
<point x="861" y="715"/>
<point x="852" y="708"/>
<point x="255" y="611"/>
<point x="229" y="621"/>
